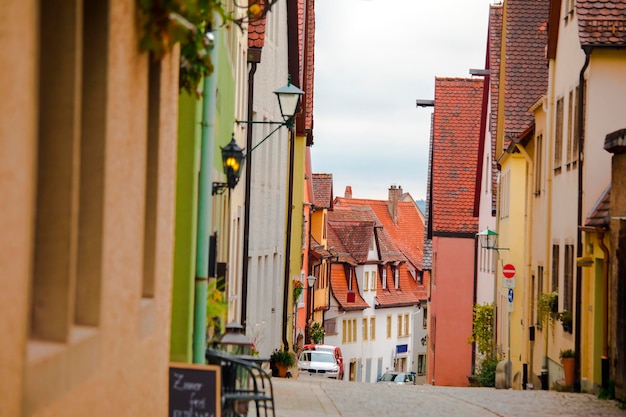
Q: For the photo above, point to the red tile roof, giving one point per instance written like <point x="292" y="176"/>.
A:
<point x="526" y="69"/>
<point x="408" y="291"/>
<point x="322" y="191"/>
<point x="400" y="243"/>
<point x="602" y="22"/>
<point x="406" y="234"/>
<point x="599" y="216"/>
<point x="494" y="45"/>
<point x="339" y="285"/>
<point x="256" y="31"/>
<point x="456" y="121"/>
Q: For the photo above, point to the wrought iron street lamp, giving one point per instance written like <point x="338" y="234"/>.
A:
<point x="311" y="282"/>
<point x="232" y="160"/>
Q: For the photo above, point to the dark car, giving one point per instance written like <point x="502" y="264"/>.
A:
<point x="335" y="350"/>
<point x="395" y="377"/>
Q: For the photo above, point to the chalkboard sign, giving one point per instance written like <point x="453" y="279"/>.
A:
<point x="194" y="390"/>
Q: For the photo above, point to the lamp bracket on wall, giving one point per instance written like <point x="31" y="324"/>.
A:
<point x="219" y="188"/>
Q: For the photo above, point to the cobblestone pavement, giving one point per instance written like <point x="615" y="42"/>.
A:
<point x="307" y="397"/>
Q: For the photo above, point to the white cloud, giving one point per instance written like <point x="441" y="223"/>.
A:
<point x="373" y="59"/>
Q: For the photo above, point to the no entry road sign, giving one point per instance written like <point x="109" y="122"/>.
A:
<point x="508" y="271"/>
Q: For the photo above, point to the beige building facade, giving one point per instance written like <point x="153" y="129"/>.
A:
<point x="87" y="165"/>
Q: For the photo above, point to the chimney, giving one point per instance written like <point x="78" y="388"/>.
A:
<point x="392" y="205"/>
<point x="348" y="193"/>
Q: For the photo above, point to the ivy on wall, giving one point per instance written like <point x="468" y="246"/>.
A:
<point x="165" y="23"/>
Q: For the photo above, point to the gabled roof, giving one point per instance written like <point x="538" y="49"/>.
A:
<point x="322" y="191"/>
<point x="526" y="69"/>
<point x="455" y="146"/>
<point x="355" y="237"/>
<point x="602" y="22"/>
<point x="408" y="292"/>
<point x="599" y="216"/>
<point x="339" y="285"/>
<point x="405" y="235"/>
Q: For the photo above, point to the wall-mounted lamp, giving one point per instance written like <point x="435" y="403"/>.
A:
<point x="232" y="160"/>
<point x="423" y="340"/>
<point x="255" y="10"/>
<point x="488" y="239"/>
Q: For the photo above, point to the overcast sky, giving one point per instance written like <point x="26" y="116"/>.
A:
<point x="373" y="59"/>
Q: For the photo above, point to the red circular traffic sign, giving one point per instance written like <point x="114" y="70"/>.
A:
<point x="508" y="270"/>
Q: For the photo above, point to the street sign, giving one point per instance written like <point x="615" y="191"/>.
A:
<point x="508" y="271"/>
<point x="510" y="303"/>
<point x="508" y="282"/>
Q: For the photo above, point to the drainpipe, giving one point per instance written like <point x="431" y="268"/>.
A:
<point x="605" y="319"/>
<point x="579" y="243"/>
<point x="292" y="152"/>
<point x="254" y="58"/>
<point x="204" y="206"/>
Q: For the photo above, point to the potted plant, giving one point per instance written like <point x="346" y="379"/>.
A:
<point x="565" y="317"/>
<point x="316" y="332"/>
<point x="281" y="360"/>
<point x="567" y="359"/>
<point x="298" y="287"/>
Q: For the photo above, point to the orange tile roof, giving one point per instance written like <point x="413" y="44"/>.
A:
<point x="456" y="121"/>
<point x="406" y="234"/>
<point x="322" y="190"/>
<point x="602" y="22"/>
<point x="399" y="243"/>
<point x="339" y="286"/>
<point x="526" y="69"/>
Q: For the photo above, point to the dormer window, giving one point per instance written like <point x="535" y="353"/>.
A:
<point x="396" y="277"/>
<point x="384" y="277"/>
<point x="349" y="279"/>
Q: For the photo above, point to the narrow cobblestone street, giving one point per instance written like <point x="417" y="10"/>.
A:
<point x="311" y="397"/>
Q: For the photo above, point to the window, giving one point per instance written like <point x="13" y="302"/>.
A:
<point x="574" y="128"/>
<point x="373" y="281"/>
<point x="344" y="331"/>
<point x="384" y="278"/>
<point x="389" y="326"/>
<point x="558" y="136"/>
<point x="425" y="318"/>
<point x="354" y="339"/>
<point x="538" y="164"/>
<point x="421" y="362"/>
<point x="570" y="137"/>
<point x="365" y="328"/>
<point x="396" y="277"/>
<point x="400" y="325"/>
<point x="420" y="277"/>
<point x="69" y="213"/>
<point x="568" y="279"/>
<point x="373" y="328"/>
<point x="350" y="279"/>
<point x="366" y="278"/>
<point x="555" y="267"/>
<point x="406" y="325"/>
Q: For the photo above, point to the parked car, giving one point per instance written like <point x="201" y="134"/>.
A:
<point x="395" y="377"/>
<point x="335" y="350"/>
<point x="318" y="363"/>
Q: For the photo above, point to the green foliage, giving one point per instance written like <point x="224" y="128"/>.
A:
<point x="216" y="310"/>
<point x="298" y="287"/>
<point x="547" y="305"/>
<point x="565" y="317"/>
<point x="283" y="356"/>
<point x="486" y="372"/>
<point x="567" y="353"/>
<point x="168" y="22"/>
<point x="316" y="331"/>
<point x="482" y="328"/>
